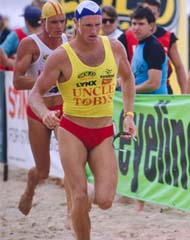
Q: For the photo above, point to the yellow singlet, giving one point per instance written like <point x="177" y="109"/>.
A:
<point x="89" y="91"/>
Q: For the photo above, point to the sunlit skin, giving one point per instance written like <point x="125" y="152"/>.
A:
<point x="141" y="28"/>
<point x="54" y="26"/>
<point x="88" y="28"/>
<point x="108" y="28"/>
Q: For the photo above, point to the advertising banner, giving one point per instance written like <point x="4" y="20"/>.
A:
<point x="156" y="167"/>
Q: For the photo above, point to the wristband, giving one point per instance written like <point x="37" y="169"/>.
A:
<point x="125" y="114"/>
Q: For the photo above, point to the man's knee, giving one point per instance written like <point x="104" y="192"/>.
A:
<point x="104" y="202"/>
<point x="38" y="174"/>
<point x="80" y="203"/>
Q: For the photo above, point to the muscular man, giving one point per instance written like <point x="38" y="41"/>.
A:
<point x="32" y="53"/>
<point x="85" y="70"/>
<point x="168" y="41"/>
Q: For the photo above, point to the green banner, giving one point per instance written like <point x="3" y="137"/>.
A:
<point x="156" y="167"/>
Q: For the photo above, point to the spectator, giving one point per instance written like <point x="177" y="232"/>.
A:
<point x="149" y="62"/>
<point x="4" y="31"/>
<point x="167" y="39"/>
<point x="110" y="22"/>
<point x="9" y="47"/>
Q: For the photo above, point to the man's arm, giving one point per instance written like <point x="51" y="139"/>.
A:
<point x="128" y="87"/>
<point x="23" y="61"/>
<point x="179" y="68"/>
<point x="6" y="61"/>
<point x="152" y="83"/>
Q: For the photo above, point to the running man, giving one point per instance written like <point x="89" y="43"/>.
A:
<point x="32" y="53"/>
<point x="85" y="70"/>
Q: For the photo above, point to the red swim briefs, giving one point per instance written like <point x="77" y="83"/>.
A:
<point x="90" y="137"/>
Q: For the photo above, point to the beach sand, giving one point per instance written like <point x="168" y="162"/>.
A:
<point x="48" y="216"/>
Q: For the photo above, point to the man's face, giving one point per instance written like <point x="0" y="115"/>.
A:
<point x="55" y="25"/>
<point x="155" y="10"/>
<point x="141" y="28"/>
<point x="89" y="27"/>
<point x="109" y="24"/>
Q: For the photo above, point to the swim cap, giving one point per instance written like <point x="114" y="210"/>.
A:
<point x="51" y="8"/>
<point x="87" y="8"/>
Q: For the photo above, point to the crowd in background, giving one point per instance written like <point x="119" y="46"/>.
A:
<point x="110" y="28"/>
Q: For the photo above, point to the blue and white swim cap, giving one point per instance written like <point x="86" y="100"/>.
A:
<point x="87" y="8"/>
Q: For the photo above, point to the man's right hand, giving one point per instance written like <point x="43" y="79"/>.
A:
<point x="51" y="119"/>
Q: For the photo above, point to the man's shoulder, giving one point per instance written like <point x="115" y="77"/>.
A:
<point x="28" y="45"/>
<point x="152" y="42"/>
<point x="161" y="31"/>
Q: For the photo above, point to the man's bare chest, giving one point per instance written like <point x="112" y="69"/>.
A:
<point x="92" y="58"/>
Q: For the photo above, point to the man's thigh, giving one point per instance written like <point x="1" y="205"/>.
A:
<point x="103" y="163"/>
<point x="73" y="157"/>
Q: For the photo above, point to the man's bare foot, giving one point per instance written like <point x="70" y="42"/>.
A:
<point x="139" y="205"/>
<point x="25" y="203"/>
<point x="69" y="226"/>
<point x="68" y="223"/>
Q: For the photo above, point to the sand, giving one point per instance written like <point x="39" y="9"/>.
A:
<point x="48" y="216"/>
